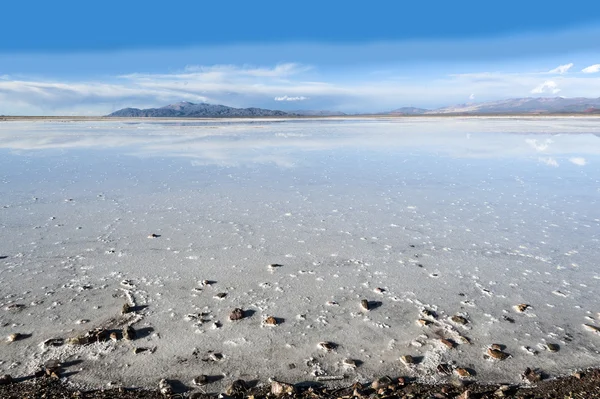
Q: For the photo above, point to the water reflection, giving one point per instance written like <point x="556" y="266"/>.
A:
<point x="549" y="141"/>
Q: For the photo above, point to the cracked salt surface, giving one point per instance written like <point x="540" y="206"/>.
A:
<point x="300" y="220"/>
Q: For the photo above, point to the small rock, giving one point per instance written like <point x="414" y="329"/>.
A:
<point x="153" y="235"/>
<point x="463" y="340"/>
<point x="459" y="319"/>
<point x="236" y="314"/>
<point x="220" y="295"/>
<point x="423" y="322"/>
<point x="462" y="372"/>
<point x="381" y="382"/>
<point x="201" y="380"/>
<point x="407" y="359"/>
<point x="215" y="356"/>
<point x="443" y="368"/>
<point x="365" y="304"/>
<point x="379" y="290"/>
<point x="553" y="347"/>
<point x="497" y="354"/>
<point x="522" y="307"/>
<point x="531" y="376"/>
<point x="138" y="350"/>
<point x="447" y="343"/>
<point x="270" y="321"/>
<point x="14" y="307"/>
<point x="114" y="336"/>
<point x="592" y="328"/>
<point x="327" y="346"/>
<point x="429" y="313"/>
<point x="165" y="387"/>
<point x="6" y="379"/>
<point x="281" y="388"/>
<point x="509" y="319"/>
<point x="465" y="395"/>
<point x="126" y="308"/>
<point x="497" y="347"/>
<point x="14" y="337"/>
<point x="206" y="283"/>
<point x="503" y="391"/>
<point x="578" y="375"/>
<point x="129" y="333"/>
<point x="349" y="363"/>
<point x="274" y="266"/>
<point x="53" y="342"/>
<point x="237" y="387"/>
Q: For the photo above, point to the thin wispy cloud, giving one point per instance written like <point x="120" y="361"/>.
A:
<point x="288" y="98"/>
<point x="579" y="161"/>
<point x="561" y="69"/>
<point x="591" y="69"/>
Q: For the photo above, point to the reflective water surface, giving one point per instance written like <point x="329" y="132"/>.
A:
<point x="460" y="216"/>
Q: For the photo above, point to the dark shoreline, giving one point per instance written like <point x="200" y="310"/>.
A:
<point x="580" y="385"/>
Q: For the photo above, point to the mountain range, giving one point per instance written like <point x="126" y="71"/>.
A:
<point x="515" y="106"/>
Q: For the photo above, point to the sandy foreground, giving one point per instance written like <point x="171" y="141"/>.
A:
<point x="439" y="252"/>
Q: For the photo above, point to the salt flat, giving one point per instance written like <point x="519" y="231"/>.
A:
<point x="455" y="216"/>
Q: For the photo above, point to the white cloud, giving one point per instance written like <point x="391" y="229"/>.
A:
<point x="591" y="69"/>
<point x="578" y="161"/>
<point x="549" y="161"/>
<point x="548" y="86"/>
<point x="561" y="69"/>
<point x="472" y="96"/>
<point x="286" y="98"/>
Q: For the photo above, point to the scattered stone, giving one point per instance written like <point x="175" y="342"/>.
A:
<point x="522" y="307"/>
<point x="80" y="340"/>
<point x="503" y="391"/>
<point x="129" y="333"/>
<point x="52" y="369"/>
<point x="407" y="359"/>
<point x="497" y="347"/>
<point x="459" y="319"/>
<point x="126" y="308"/>
<point x="237" y="387"/>
<point x="236" y="314"/>
<point x="53" y="342"/>
<point x="165" y="387"/>
<point x="531" y="376"/>
<point x="349" y="363"/>
<point x="443" y="368"/>
<point x="6" y="379"/>
<point x="592" y="328"/>
<point x="465" y="395"/>
<point x="509" y="319"/>
<point x="462" y="372"/>
<point x="14" y="307"/>
<point x="153" y="235"/>
<point x="365" y="304"/>
<point x="270" y="321"/>
<point x="497" y="354"/>
<point x="206" y="283"/>
<point x="114" y="336"/>
<point x="463" y="340"/>
<point x="423" y="322"/>
<point x="578" y="375"/>
<point x="529" y="350"/>
<point x="15" y="337"/>
<point x="327" y="346"/>
<point x="215" y="356"/>
<point x="381" y="382"/>
<point x="330" y="377"/>
<point x="553" y="347"/>
<point x="281" y="388"/>
<point x="274" y="266"/>
<point x="379" y="290"/>
<point x="201" y="380"/>
<point x="448" y="343"/>
<point x="428" y="313"/>
<point x="138" y="350"/>
<point x="220" y="295"/>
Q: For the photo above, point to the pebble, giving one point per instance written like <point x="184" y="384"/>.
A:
<point x="126" y="308"/>
<point x="522" y="307"/>
<point x="281" y="388"/>
<point x="349" y="363"/>
<point x="448" y="343"/>
<point x="443" y="368"/>
<point x="592" y="328"/>
<point x="201" y="380"/>
<point x="381" y="382"/>
<point x="53" y="342"/>
<point x="153" y="235"/>
<point x="531" y="376"/>
<point x="462" y="372"/>
<point x="553" y="347"/>
<point x="423" y="322"/>
<point x="497" y="354"/>
<point x="114" y="336"/>
<point x="165" y="387"/>
<point x="407" y="359"/>
<point x="236" y="314"/>
<point x="220" y="295"/>
<point x="364" y="304"/>
<point x="327" y="346"/>
<point x="129" y="333"/>
<point x="459" y="319"/>
<point x="14" y="337"/>
<point x="270" y="321"/>
<point x="6" y="379"/>
<point x="237" y="387"/>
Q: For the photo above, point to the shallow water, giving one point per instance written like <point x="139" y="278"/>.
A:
<point x="456" y="215"/>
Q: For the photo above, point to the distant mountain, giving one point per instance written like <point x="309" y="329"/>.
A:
<point x="529" y="105"/>
<point x="304" y="112"/>
<point x="408" y="111"/>
<point x="190" y="110"/>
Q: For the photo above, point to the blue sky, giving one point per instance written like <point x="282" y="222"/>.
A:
<point x="91" y="58"/>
